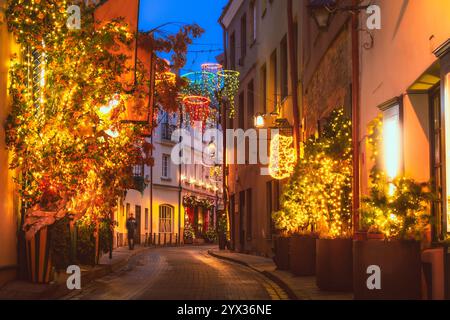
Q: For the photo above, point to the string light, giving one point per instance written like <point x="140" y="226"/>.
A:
<point x="318" y="195"/>
<point x="282" y="157"/>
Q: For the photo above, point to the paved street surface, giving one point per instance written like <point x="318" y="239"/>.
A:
<point x="181" y="273"/>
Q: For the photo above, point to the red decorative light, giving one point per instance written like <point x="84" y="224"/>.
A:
<point x="197" y="107"/>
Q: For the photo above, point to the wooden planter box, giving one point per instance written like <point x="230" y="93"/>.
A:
<point x="302" y="255"/>
<point x="281" y="257"/>
<point x="38" y="257"/>
<point x="334" y="264"/>
<point x="400" y="266"/>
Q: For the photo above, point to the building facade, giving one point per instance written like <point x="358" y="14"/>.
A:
<point x="159" y="201"/>
<point x="256" y="34"/>
<point x="9" y="203"/>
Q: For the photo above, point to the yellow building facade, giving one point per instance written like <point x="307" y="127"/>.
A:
<point x="8" y="200"/>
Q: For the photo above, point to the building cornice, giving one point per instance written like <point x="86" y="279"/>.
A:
<point x="230" y="12"/>
<point x="443" y="49"/>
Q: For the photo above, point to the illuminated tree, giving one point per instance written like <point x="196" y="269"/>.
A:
<point x="318" y="195"/>
<point x="66" y="131"/>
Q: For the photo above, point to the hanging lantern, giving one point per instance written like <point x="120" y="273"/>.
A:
<point x="229" y="87"/>
<point x="197" y="107"/>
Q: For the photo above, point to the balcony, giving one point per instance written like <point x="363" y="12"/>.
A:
<point x="167" y="131"/>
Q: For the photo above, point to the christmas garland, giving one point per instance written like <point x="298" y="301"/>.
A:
<point x="191" y="201"/>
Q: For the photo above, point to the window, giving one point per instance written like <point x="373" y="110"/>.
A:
<point x="233" y="51"/>
<point x="137" y="215"/>
<point x="273" y="78"/>
<point x="243" y="38"/>
<point x="165" y="166"/>
<point x="165" y="219"/>
<point x="284" y="68"/>
<point x="392" y="141"/>
<point x="146" y="218"/>
<point x="166" y="131"/>
<point x="241" y="114"/>
<point x="128" y="210"/>
<point x="249" y="214"/>
<point x="138" y="170"/>
<point x="264" y="87"/>
<point x="250" y="104"/>
<point x="436" y="158"/>
<point x="253" y="20"/>
<point x="447" y="141"/>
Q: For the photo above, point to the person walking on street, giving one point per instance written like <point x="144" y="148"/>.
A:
<point x="131" y="228"/>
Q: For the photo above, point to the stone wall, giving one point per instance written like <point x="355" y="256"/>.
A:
<point x="330" y="85"/>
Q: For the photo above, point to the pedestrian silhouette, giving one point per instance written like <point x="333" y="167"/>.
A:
<point x="131" y="228"/>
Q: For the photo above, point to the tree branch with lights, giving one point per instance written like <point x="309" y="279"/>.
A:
<point x="66" y="131"/>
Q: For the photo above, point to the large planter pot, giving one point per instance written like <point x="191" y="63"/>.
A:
<point x="334" y="264"/>
<point x="38" y="257"/>
<point x="399" y="264"/>
<point x="302" y="255"/>
<point x="281" y="249"/>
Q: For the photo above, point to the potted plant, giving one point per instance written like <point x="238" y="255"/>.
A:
<point x="210" y="235"/>
<point x="295" y="248"/>
<point x="397" y="208"/>
<point x="330" y="158"/>
<point x="189" y="233"/>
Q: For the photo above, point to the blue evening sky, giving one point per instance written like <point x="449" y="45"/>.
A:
<point x="205" y="13"/>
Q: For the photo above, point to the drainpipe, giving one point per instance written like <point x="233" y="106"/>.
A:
<point x="294" y="77"/>
<point x="355" y="117"/>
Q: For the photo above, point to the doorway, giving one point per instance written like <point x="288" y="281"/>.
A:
<point x="138" y="225"/>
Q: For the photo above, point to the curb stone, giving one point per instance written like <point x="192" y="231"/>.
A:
<point x="267" y="274"/>
<point x="59" y="290"/>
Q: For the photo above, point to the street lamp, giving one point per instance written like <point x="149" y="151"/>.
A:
<point x="259" y="120"/>
<point x="211" y="149"/>
<point x="321" y="11"/>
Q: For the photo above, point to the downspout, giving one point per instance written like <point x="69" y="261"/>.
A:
<point x="355" y="117"/>
<point x="294" y="77"/>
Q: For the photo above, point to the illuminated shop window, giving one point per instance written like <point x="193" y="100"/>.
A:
<point x="392" y="142"/>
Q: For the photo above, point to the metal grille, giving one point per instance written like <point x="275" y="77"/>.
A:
<point x="37" y="76"/>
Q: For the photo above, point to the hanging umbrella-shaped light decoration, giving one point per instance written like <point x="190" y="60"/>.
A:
<point x="200" y="83"/>
<point x="229" y="87"/>
<point x="165" y="78"/>
<point x="197" y="107"/>
<point x="212" y="67"/>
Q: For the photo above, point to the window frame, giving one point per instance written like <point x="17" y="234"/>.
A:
<point x="165" y="166"/>
<point x="163" y="210"/>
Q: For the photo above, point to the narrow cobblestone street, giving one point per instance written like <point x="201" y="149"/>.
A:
<point x="186" y="273"/>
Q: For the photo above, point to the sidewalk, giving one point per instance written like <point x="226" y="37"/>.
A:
<point x="23" y="290"/>
<point x="301" y="288"/>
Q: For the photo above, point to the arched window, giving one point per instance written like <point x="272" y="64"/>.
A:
<point x="165" y="218"/>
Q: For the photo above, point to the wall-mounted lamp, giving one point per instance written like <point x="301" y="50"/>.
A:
<point x="260" y="120"/>
<point x="323" y="10"/>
